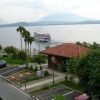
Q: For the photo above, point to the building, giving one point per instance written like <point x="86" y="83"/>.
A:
<point x="63" y="53"/>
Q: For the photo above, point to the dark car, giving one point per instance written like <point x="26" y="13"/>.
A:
<point x="3" y="63"/>
<point x="1" y="98"/>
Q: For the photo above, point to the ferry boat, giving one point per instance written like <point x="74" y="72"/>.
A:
<point x="42" y="37"/>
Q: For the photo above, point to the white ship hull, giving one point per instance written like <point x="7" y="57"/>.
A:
<point x="42" y="37"/>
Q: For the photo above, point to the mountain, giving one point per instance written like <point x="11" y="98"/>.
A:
<point x="56" y="19"/>
<point x="15" y="24"/>
<point x="64" y="17"/>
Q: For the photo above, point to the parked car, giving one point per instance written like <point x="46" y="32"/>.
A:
<point x="1" y="98"/>
<point x="82" y="97"/>
<point x="3" y="63"/>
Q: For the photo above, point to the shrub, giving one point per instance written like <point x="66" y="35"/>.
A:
<point x="41" y="68"/>
<point x="62" y="67"/>
<point x="36" y="69"/>
<point x="46" y="87"/>
<point x="46" y="73"/>
<point x="14" y="55"/>
<point x="66" y="78"/>
<point x="5" y="55"/>
<point x="10" y="50"/>
<point x="31" y="68"/>
<point x="22" y="55"/>
<point x="40" y="58"/>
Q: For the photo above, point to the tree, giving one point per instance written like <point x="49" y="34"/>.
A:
<point x="21" y="29"/>
<point x="79" y="43"/>
<point x="14" y="55"/>
<point x="40" y="58"/>
<point x="73" y="63"/>
<point x="95" y="45"/>
<point x="10" y="50"/>
<point x="88" y="45"/>
<point x="85" y="44"/>
<point x="0" y="47"/>
<point x="88" y="70"/>
<point x="26" y="38"/>
<point x="62" y="67"/>
<point x="22" y="55"/>
<point x="94" y="83"/>
<point x="31" y="39"/>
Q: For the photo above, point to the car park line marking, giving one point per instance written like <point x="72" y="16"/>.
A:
<point x="71" y="89"/>
<point x="68" y="93"/>
<point x="9" y="71"/>
<point x="6" y="69"/>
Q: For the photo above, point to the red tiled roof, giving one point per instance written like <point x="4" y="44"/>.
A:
<point x="67" y="50"/>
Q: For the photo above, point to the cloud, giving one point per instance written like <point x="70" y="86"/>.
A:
<point x="32" y="10"/>
<point x="21" y="10"/>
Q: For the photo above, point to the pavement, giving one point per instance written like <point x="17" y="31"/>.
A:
<point x="68" y="93"/>
<point x="9" y="92"/>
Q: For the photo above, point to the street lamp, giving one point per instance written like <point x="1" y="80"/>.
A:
<point x="20" y="84"/>
<point x="25" y="84"/>
<point x="53" y="61"/>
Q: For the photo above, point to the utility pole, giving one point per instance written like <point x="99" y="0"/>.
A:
<point x="53" y="61"/>
<point x="25" y="85"/>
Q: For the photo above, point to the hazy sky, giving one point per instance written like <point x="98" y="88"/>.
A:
<point x="32" y="10"/>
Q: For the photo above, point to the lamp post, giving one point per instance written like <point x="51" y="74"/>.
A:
<point x="53" y="61"/>
<point x="20" y="84"/>
<point x="25" y="84"/>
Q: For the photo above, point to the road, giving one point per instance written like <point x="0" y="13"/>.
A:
<point x="9" y="92"/>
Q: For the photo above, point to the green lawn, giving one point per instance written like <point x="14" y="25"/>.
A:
<point x="72" y="85"/>
<point x="58" y="97"/>
<point x="30" y="79"/>
<point x="11" y="60"/>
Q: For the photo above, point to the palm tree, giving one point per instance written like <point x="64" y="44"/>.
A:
<point x="31" y="39"/>
<point x="26" y="38"/>
<point x="28" y="42"/>
<point x="20" y="29"/>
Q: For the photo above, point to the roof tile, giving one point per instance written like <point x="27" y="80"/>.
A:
<point x="67" y="50"/>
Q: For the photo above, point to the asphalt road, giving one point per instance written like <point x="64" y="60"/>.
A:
<point x="9" y="92"/>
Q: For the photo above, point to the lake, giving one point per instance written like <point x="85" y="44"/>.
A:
<point x="59" y="33"/>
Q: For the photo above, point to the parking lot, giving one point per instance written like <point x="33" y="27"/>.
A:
<point x="17" y="75"/>
<point x="7" y="71"/>
<point x="68" y="93"/>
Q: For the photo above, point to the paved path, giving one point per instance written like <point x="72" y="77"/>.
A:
<point x="9" y="92"/>
<point x="40" y="83"/>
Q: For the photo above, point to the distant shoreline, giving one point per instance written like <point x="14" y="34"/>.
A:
<point x="5" y="26"/>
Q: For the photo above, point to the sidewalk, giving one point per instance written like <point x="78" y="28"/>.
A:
<point x="43" y="82"/>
